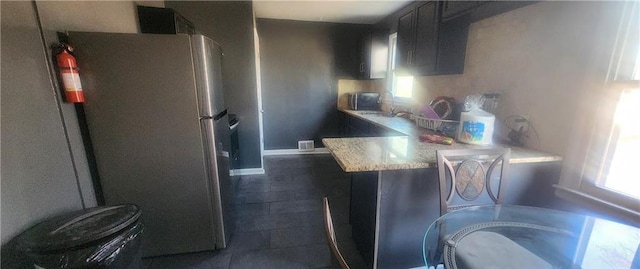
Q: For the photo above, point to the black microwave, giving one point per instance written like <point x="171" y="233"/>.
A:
<point x="364" y="101"/>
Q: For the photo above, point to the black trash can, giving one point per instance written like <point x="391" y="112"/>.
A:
<point x="99" y="237"/>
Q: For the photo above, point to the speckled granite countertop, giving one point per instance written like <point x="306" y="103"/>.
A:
<point x="404" y="152"/>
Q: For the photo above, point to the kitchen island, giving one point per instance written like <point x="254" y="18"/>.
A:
<point x="394" y="186"/>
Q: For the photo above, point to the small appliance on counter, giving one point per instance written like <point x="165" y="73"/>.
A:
<point x="476" y="125"/>
<point x="364" y="101"/>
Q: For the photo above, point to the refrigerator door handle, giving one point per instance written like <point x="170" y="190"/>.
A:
<point x="234" y="126"/>
<point x="215" y="117"/>
<point x="220" y="115"/>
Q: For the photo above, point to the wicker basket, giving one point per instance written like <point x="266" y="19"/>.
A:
<point x="449" y="127"/>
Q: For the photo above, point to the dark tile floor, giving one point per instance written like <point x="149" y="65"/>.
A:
<point x="279" y="219"/>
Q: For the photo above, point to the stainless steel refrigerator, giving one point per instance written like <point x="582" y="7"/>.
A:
<point x="159" y="128"/>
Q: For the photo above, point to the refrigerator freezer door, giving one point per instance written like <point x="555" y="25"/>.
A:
<point x="215" y="133"/>
<point x="142" y="115"/>
<point x="207" y="57"/>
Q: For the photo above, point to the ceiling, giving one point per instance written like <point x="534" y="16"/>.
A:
<point x="360" y="11"/>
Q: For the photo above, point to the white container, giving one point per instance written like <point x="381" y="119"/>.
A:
<point x="476" y="127"/>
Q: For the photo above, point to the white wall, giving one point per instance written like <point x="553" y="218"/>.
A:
<point x="542" y="58"/>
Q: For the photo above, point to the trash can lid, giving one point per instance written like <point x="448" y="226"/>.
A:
<point x="78" y="228"/>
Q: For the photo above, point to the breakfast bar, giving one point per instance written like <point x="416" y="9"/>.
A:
<point x="394" y="187"/>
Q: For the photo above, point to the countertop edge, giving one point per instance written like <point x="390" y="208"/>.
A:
<point x="543" y="158"/>
<point x="360" y="116"/>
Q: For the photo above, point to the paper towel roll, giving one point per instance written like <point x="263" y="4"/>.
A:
<point x="476" y="127"/>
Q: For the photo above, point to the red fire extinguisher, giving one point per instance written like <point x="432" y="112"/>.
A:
<point x="69" y="75"/>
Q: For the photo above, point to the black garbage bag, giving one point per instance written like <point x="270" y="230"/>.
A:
<point x="99" y="237"/>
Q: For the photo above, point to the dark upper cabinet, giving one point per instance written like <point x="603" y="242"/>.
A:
<point x="364" y="68"/>
<point x="486" y="9"/>
<point x="453" y="9"/>
<point x="426" y="44"/>
<point x="418" y="40"/>
<point x="155" y="20"/>
<point x="405" y="41"/>
<point x="452" y="46"/>
<point x="432" y="36"/>
<point x="478" y="10"/>
<point x="373" y="57"/>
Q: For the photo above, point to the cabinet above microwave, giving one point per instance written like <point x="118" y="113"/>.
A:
<point x="156" y="20"/>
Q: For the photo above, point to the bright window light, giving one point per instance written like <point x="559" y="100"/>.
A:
<point x="622" y="174"/>
<point x="401" y="86"/>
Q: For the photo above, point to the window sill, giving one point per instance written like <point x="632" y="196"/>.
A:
<point x="597" y="204"/>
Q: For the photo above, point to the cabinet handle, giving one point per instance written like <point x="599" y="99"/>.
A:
<point x="361" y="67"/>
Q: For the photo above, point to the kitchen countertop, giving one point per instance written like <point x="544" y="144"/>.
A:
<point x="398" y="124"/>
<point x="363" y="154"/>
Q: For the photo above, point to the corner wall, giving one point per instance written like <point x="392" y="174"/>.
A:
<point x="301" y="63"/>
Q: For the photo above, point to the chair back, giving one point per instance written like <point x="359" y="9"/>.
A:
<point x="469" y="177"/>
<point x="337" y="258"/>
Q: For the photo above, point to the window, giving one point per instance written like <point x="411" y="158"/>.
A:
<point x="624" y="147"/>
<point x="401" y="85"/>
<point x="609" y="174"/>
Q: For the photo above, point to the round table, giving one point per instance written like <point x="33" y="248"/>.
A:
<point x="528" y="237"/>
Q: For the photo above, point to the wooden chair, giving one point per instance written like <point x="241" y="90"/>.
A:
<point x="466" y="177"/>
<point x="337" y="260"/>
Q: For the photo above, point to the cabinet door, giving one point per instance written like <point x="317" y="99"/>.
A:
<point x="360" y="128"/>
<point x="344" y="127"/>
<point x="451" y="9"/>
<point x="362" y="213"/>
<point x="378" y="54"/>
<point x="405" y="41"/>
<point x="426" y="46"/>
<point x="364" y="71"/>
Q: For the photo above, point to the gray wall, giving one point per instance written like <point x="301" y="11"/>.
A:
<point x="300" y="65"/>
<point x="231" y="25"/>
<point x="38" y="175"/>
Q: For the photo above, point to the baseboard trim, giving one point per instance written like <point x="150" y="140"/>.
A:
<point x="274" y="152"/>
<point x="247" y="171"/>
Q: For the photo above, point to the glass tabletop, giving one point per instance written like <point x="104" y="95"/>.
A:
<point x="528" y="237"/>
